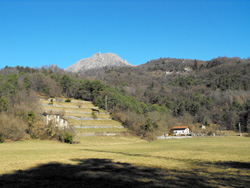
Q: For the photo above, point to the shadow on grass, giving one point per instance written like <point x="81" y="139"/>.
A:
<point x="224" y="164"/>
<point x="214" y="174"/>
<point x="234" y="164"/>
<point x="101" y="173"/>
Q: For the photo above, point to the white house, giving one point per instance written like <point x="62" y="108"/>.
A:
<point x="180" y="130"/>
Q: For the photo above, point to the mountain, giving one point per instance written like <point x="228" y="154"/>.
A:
<point x="98" y="61"/>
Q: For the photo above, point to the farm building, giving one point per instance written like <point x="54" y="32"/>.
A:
<point x="180" y="130"/>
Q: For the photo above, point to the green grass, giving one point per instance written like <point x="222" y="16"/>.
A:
<point x="197" y="162"/>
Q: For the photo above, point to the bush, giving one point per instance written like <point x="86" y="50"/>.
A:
<point x="38" y="130"/>
<point x="68" y="100"/>
<point x="94" y="116"/>
<point x="1" y="138"/>
<point x="210" y="133"/>
<point x="247" y="135"/>
<point x="171" y="134"/>
<point x="66" y="136"/>
<point x="207" y="123"/>
<point x="12" y="127"/>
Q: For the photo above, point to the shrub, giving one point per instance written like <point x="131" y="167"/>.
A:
<point x="94" y="116"/>
<point x="149" y="136"/>
<point x="210" y="133"/>
<point x="1" y="138"/>
<point x="207" y="123"/>
<point x="66" y="135"/>
<point x="68" y="138"/>
<point x="247" y="135"/>
<point x="68" y="100"/>
<point x="51" y="102"/>
<point x="171" y="134"/>
<point x="38" y="130"/>
<point x="12" y="127"/>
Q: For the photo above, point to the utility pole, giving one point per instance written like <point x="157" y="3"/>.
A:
<point x="165" y="130"/>
<point x="106" y="103"/>
<point x="239" y="130"/>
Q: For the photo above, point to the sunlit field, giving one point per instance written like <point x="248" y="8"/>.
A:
<point x="119" y="161"/>
<point x="95" y="122"/>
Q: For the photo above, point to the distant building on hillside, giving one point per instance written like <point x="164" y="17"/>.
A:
<point x="187" y="69"/>
<point x="202" y="127"/>
<point x="180" y="130"/>
<point x="55" y="119"/>
<point x="168" y="72"/>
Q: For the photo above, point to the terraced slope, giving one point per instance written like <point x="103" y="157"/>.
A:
<point x="80" y="115"/>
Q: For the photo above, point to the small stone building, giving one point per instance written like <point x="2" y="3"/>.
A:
<point x="55" y="119"/>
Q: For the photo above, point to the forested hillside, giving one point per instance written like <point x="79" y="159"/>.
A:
<point x="148" y="99"/>
<point x="215" y="91"/>
<point x="20" y="87"/>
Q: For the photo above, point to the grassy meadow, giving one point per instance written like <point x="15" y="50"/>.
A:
<point x="127" y="162"/>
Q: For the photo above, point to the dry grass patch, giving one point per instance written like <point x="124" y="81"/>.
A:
<point x="103" y="130"/>
<point x="85" y="104"/>
<point x="128" y="161"/>
<point x="54" y="108"/>
<point x="94" y="122"/>
<point x="103" y="116"/>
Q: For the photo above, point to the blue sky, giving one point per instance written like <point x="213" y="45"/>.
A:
<point x="42" y="32"/>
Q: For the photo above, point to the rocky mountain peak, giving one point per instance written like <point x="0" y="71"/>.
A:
<point x="98" y="61"/>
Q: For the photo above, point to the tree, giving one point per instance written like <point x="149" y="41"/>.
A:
<point x="197" y="65"/>
<point x="4" y="104"/>
<point x="26" y="83"/>
<point x="66" y="82"/>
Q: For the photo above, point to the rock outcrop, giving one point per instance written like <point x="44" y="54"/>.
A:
<point x="98" y="61"/>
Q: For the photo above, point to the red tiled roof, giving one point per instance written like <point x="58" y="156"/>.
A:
<point x="180" y="127"/>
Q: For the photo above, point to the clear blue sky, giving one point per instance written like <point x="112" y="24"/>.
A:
<point x="42" y="32"/>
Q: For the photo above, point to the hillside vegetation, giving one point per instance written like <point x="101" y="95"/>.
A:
<point x="20" y="84"/>
<point x="147" y="99"/>
<point x="215" y="91"/>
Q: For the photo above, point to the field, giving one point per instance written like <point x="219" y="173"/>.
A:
<point x="127" y="162"/>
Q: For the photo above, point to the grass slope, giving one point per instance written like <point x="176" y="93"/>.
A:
<point x="127" y="162"/>
<point x="102" y="123"/>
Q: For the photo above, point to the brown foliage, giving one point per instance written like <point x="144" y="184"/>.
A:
<point x="12" y="127"/>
